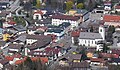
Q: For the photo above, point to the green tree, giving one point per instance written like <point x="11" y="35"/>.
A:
<point x="69" y="5"/>
<point x="80" y="6"/>
<point x="34" y="2"/>
<point x="105" y="48"/>
<point x="84" y="56"/>
<point x="38" y="4"/>
<point x="111" y="29"/>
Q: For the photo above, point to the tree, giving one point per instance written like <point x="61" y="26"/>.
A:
<point x="84" y="56"/>
<point x="28" y="64"/>
<point x="80" y="5"/>
<point x="105" y="48"/>
<point x="111" y="29"/>
<point x="69" y="5"/>
<point x="38" y="4"/>
<point x="34" y="2"/>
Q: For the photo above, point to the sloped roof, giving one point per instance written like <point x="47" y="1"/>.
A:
<point x="65" y="17"/>
<point x="111" y="18"/>
<point x="38" y="12"/>
<point x="89" y="35"/>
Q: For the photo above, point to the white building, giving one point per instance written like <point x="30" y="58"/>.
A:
<point x="91" y="39"/>
<point x="37" y="15"/>
<point x="59" y="19"/>
<point x="57" y="32"/>
<point x="111" y="20"/>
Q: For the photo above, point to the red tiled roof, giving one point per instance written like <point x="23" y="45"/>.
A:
<point x="43" y="59"/>
<point x="9" y="58"/>
<point x="111" y="18"/>
<point x="96" y="59"/>
<point x="75" y="33"/>
<point x="38" y="12"/>
<point x="19" y="62"/>
<point x="12" y="22"/>
<point x="109" y="55"/>
<point x="65" y="17"/>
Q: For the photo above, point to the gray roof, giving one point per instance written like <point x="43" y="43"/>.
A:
<point x="21" y="38"/>
<point x="117" y="33"/>
<point x="2" y="43"/>
<point x="90" y="35"/>
<point x="19" y="28"/>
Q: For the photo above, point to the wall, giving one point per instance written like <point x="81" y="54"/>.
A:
<point x="112" y="23"/>
<point x="30" y="41"/>
<point x="39" y="16"/>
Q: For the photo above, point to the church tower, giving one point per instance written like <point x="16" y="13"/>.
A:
<point x="102" y="31"/>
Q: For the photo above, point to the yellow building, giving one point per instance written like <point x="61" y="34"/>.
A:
<point x="72" y="12"/>
<point x="89" y="55"/>
<point x="6" y="37"/>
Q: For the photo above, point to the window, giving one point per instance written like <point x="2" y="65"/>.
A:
<point x="88" y="41"/>
<point x="100" y="30"/>
<point x="37" y="17"/>
<point x="92" y="42"/>
<point x="95" y="42"/>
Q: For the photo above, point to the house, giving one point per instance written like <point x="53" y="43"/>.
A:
<point x="3" y="63"/>
<point x="117" y="8"/>
<point x="5" y="15"/>
<point x="37" y="15"/>
<point x="42" y="22"/>
<point x="99" y="10"/>
<point x="38" y="54"/>
<point x="59" y="19"/>
<point x="43" y="60"/>
<point x="36" y="42"/>
<point x="84" y="65"/>
<point x="58" y="32"/>
<point x="72" y="57"/>
<point x="91" y="39"/>
<point x="49" y="52"/>
<point x="4" y="5"/>
<point x="115" y="51"/>
<point x="108" y="55"/>
<point x="53" y="52"/>
<point x="6" y="36"/>
<point x="111" y="20"/>
<point x="107" y="5"/>
<point x="8" y="24"/>
<point x="15" y="48"/>
<point x="75" y="35"/>
<point x="97" y="61"/>
<point x="2" y="44"/>
<point x="1" y="32"/>
<point x="81" y="13"/>
<point x="13" y="58"/>
<point x="115" y="61"/>
<point x="36" y="29"/>
<point x="73" y="65"/>
<point x="20" y="29"/>
<point x="116" y="39"/>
